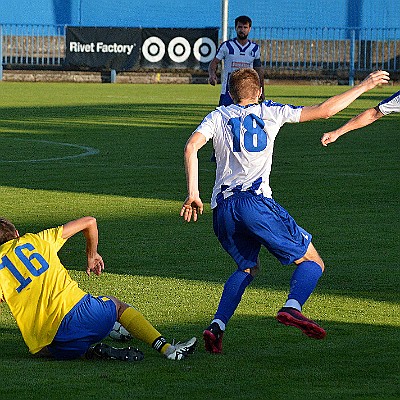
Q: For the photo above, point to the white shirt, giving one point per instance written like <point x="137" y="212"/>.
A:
<point x="391" y="104"/>
<point x="235" y="56"/>
<point x="243" y="139"/>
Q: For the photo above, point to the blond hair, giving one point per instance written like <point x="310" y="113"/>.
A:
<point x="244" y="83"/>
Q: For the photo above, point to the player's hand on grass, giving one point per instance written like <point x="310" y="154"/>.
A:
<point x="95" y="264"/>
<point x="191" y="208"/>
<point x="329" y="137"/>
<point x="375" y="78"/>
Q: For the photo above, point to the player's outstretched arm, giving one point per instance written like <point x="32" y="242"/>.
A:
<point x="192" y="206"/>
<point x="365" y="118"/>
<point x="87" y="225"/>
<point x="337" y="103"/>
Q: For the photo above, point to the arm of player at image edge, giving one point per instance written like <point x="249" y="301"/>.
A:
<point x="337" y="103"/>
<point x="88" y="226"/>
<point x="193" y="206"/>
<point x="359" y="121"/>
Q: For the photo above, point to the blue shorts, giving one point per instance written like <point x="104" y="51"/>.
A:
<point x="225" y="100"/>
<point x="245" y="221"/>
<point x="89" y="321"/>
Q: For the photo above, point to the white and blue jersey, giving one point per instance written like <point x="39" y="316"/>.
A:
<point x="236" y="56"/>
<point x="391" y="104"/>
<point x="245" y="216"/>
<point x="243" y="140"/>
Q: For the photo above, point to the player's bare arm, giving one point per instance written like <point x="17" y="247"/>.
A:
<point x="88" y="226"/>
<point x="192" y="206"/>
<point x="365" y="118"/>
<point x="212" y="71"/>
<point x="337" y="103"/>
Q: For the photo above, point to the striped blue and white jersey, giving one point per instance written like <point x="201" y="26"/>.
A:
<point x="391" y="104"/>
<point x="236" y="56"/>
<point x="243" y="140"/>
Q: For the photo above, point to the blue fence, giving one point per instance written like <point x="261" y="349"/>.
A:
<point x="32" y="45"/>
<point x="319" y="51"/>
<point x="340" y="51"/>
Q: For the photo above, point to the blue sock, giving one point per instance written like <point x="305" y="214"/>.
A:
<point x="232" y="294"/>
<point x="304" y="280"/>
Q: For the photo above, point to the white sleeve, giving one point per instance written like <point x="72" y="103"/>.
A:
<point x="207" y="126"/>
<point x="221" y="53"/>
<point x="391" y="104"/>
<point x="281" y="113"/>
<point x="291" y="114"/>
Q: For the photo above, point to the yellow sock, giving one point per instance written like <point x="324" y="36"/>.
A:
<point x="138" y="326"/>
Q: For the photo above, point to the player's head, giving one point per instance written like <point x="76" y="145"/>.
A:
<point x="242" y="26"/>
<point x="7" y="231"/>
<point x="244" y="83"/>
<point x="243" y="19"/>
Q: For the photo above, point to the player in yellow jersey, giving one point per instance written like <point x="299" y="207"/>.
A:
<point x="56" y="317"/>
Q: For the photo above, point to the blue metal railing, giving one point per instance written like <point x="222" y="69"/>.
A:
<point x="318" y="50"/>
<point x="346" y="50"/>
<point x="33" y="45"/>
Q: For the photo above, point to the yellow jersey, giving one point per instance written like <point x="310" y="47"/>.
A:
<point x="36" y="286"/>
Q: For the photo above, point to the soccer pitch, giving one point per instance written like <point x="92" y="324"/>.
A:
<point x="116" y="152"/>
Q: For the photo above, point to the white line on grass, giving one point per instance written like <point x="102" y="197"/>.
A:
<point x="88" y="151"/>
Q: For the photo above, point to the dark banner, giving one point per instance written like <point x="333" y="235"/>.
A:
<point x="103" y="48"/>
<point x="178" y="48"/>
<point x="126" y="49"/>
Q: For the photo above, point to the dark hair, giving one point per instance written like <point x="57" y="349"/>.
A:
<point x="7" y="231"/>
<point x="244" y="19"/>
<point x="244" y="83"/>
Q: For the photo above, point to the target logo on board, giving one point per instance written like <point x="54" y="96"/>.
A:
<point x="204" y="49"/>
<point x="153" y="49"/>
<point x="178" y="49"/>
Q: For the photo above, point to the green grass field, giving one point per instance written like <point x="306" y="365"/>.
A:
<point x="115" y="152"/>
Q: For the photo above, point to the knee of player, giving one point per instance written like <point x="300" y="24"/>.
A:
<point x="254" y="270"/>
<point x="120" y="306"/>
<point x="318" y="260"/>
<point x="321" y="263"/>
